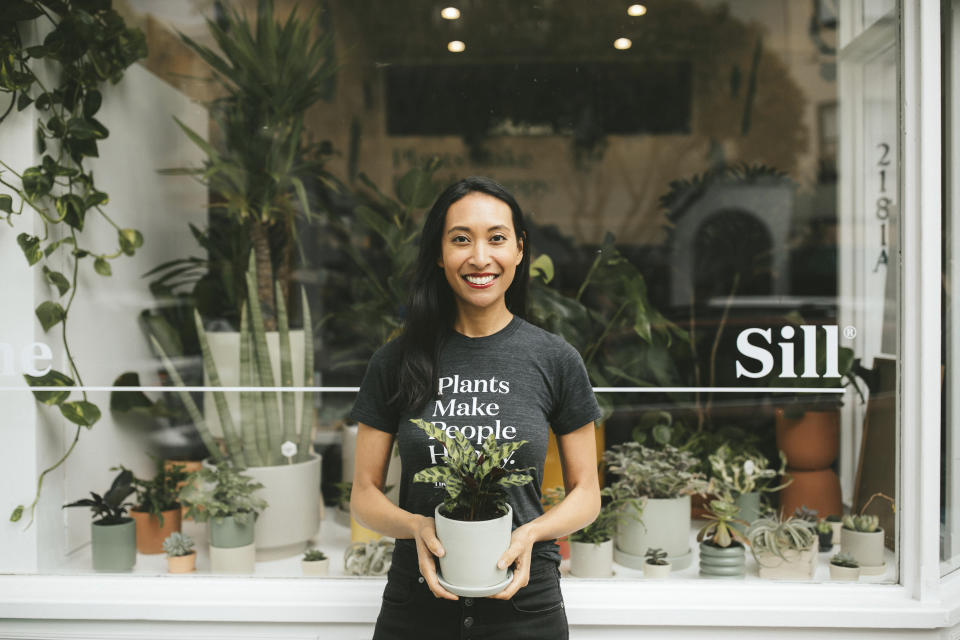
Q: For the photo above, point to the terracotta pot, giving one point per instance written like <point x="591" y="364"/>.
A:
<point x="818" y="490"/>
<point x="810" y="442"/>
<point x="698" y="505"/>
<point x="182" y="564"/>
<point x="564" y="544"/>
<point x="150" y="534"/>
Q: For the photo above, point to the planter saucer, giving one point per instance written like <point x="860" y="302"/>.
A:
<point x="476" y="592"/>
<point x="679" y="563"/>
<point x="873" y="570"/>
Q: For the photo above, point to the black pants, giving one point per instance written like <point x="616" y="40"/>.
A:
<point x="410" y="611"/>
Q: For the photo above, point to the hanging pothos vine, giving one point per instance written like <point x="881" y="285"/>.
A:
<point x="86" y="44"/>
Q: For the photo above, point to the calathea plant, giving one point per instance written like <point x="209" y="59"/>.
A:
<point x="110" y="508"/>
<point x="475" y="481"/>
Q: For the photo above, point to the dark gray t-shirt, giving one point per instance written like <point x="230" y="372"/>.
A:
<point x="515" y="384"/>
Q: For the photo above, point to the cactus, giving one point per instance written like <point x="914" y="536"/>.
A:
<point x="844" y="560"/>
<point x="178" y="544"/>
<point x="257" y="440"/>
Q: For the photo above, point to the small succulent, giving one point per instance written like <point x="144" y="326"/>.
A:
<point x="656" y="556"/>
<point x="722" y="513"/>
<point x="824" y="527"/>
<point x="177" y="544"/>
<point x="864" y="524"/>
<point x="368" y="558"/>
<point x="844" y="560"/>
<point x="314" y="555"/>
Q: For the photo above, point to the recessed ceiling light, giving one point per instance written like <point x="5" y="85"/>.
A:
<point x="636" y="10"/>
<point x="450" y="13"/>
<point x="456" y="46"/>
<point x="621" y="43"/>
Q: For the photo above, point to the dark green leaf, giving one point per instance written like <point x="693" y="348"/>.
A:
<point x="36" y="183"/>
<point x="57" y="279"/>
<point x="43" y="102"/>
<point x="52" y="378"/>
<point x="415" y="188"/>
<point x="80" y="412"/>
<point x="6" y="203"/>
<point x="130" y="240"/>
<point x="91" y="103"/>
<point x="84" y="129"/>
<point x="97" y="198"/>
<point x="56" y="126"/>
<point x="23" y="101"/>
<point x="102" y="267"/>
<point x="125" y="401"/>
<point x="71" y="208"/>
<point x="49" y="313"/>
<point x="31" y="248"/>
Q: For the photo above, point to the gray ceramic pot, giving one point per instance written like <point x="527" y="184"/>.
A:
<point x="114" y="545"/>
<point x="722" y="562"/>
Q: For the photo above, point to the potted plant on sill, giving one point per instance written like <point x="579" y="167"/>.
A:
<point x="825" y="536"/>
<point x="591" y="548"/>
<point x="225" y="498"/>
<point x="315" y="563"/>
<point x="270" y="450"/>
<point x="475" y="519"/>
<point x="784" y="549"/>
<point x="844" y="566"/>
<point x="653" y="488"/>
<point x="112" y="533"/>
<point x="157" y="509"/>
<point x="371" y="558"/>
<point x="656" y="564"/>
<point x="836" y="524"/>
<point x="862" y="537"/>
<point x="746" y="476"/>
<point x="722" y="545"/>
<point x="181" y="556"/>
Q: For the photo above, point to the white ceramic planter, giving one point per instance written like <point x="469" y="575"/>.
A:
<point x="589" y="560"/>
<point x="665" y="525"/>
<point x="225" y="346"/>
<point x="837" y="528"/>
<point x="867" y="548"/>
<point x="233" y="560"/>
<point x="315" y="567"/>
<point x="349" y="453"/>
<point x="472" y="550"/>
<point x="795" y="565"/>
<point x="844" y="573"/>
<point x="656" y="571"/>
<point x="294" y="507"/>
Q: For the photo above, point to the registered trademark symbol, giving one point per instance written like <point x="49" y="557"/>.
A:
<point x="849" y="332"/>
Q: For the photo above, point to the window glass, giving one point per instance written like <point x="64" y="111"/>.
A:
<point x="712" y="193"/>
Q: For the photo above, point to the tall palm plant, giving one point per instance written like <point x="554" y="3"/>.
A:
<point x="271" y="72"/>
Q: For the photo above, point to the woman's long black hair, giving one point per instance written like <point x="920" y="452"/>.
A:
<point x="431" y="309"/>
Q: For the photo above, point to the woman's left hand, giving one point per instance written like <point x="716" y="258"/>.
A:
<point x="518" y="554"/>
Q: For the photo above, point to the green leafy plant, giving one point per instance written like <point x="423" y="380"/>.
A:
<point x="109" y="508"/>
<point x="775" y="536"/>
<point x="220" y="492"/>
<point x="159" y="494"/>
<point x="177" y="544"/>
<point x="314" y="555"/>
<point x="475" y="482"/>
<point x="722" y="513"/>
<point x="86" y="44"/>
<point x="746" y="471"/>
<point x="258" y="441"/>
<point x="844" y="560"/>
<point x="653" y="473"/>
<point x="656" y="556"/>
<point x="272" y="73"/>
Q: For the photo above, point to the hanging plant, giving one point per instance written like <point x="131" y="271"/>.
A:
<point x="86" y="44"/>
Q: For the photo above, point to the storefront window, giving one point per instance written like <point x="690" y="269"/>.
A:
<point x="712" y="189"/>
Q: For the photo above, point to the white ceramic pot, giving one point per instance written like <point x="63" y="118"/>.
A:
<point x="293" y="508"/>
<point x="225" y="347"/>
<point x="233" y="560"/>
<point x="590" y="560"/>
<point x="795" y="565"/>
<point x="315" y="567"/>
<point x="472" y="550"/>
<point x="656" y="570"/>
<point x="837" y="528"/>
<point x="867" y="548"/>
<point x="665" y="524"/>
<point x="844" y="573"/>
<point x="349" y="452"/>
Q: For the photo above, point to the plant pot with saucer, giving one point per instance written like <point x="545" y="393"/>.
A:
<point x="474" y="521"/>
<point x="113" y="534"/>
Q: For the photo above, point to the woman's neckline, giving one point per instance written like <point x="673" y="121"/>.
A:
<point x="505" y="331"/>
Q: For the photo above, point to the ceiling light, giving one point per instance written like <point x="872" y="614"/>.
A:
<point x="456" y="46"/>
<point x="619" y="43"/>
<point x="450" y="13"/>
<point x="636" y="10"/>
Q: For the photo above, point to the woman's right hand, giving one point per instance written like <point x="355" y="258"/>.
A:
<point x="428" y="548"/>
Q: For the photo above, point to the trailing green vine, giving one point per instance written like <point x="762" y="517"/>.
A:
<point x="86" y="43"/>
